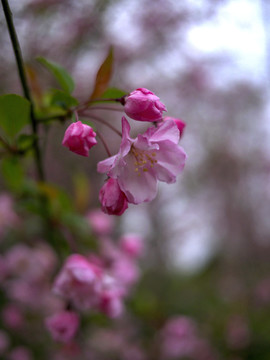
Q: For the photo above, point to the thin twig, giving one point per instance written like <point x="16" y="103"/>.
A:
<point x="105" y="108"/>
<point x="97" y="118"/>
<point x="24" y="83"/>
<point x="104" y="143"/>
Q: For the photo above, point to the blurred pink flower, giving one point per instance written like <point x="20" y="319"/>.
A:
<point x="79" y="138"/>
<point x="79" y="281"/>
<point x="143" y="105"/>
<point x="12" y="316"/>
<point x="132" y="245"/>
<point x="111" y="303"/>
<point x="179" y="123"/>
<point x="63" y="325"/>
<point x="141" y="162"/>
<point x="101" y="224"/>
<point x="113" y="200"/>
<point x="179" y="338"/>
<point x="126" y="271"/>
<point x="20" y="353"/>
<point x="30" y="263"/>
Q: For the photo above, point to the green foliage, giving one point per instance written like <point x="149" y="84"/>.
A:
<point x="13" y="173"/>
<point x="25" y="142"/>
<point x="113" y="93"/>
<point x="14" y="114"/>
<point x="60" y="74"/>
<point x="103" y="76"/>
<point x="62" y="99"/>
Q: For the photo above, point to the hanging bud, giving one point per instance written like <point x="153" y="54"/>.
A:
<point x="79" y="138"/>
<point x="113" y="200"/>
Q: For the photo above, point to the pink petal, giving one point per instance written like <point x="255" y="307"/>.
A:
<point x="105" y="166"/>
<point x="166" y="131"/>
<point x="138" y="186"/>
<point x="171" y="160"/>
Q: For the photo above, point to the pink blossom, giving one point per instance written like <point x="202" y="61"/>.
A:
<point x="111" y="304"/>
<point x="141" y="162"/>
<point x="143" y="105"/>
<point x="30" y="263"/>
<point x="13" y="316"/>
<point x="20" y="353"/>
<point x="101" y="223"/>
<point x="179" y="123"/>
<point x="131" y="245"/>
<point x="126" y="271"/>
<point x="179" y="338"/>
<point x="111" y="299"/>
<point x="79" y="138"/>
<point x="63" y="325"/>
<point x="79" y="281"/>
<point x="113" y="200"/>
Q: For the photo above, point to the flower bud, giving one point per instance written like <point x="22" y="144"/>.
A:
<point x="143" y="105"/>
<point x="79" y="138"/>
<point x="113" y="200"/>
<point x="179" y="123"/>
<point x="63" y="325"/>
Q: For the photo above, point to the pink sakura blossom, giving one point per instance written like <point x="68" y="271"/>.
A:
<point x="111" y="298"/>
<point x="13" y="316"/>
<point x="141" y="162"/>
<point x="101" y="224"/>
<point x="79" y="281"/>
<point x="179" y="338"/>
<point x="143" y="105"/>
<point x="63" y="325"/>
<point x="113" y="200"/>
<point x="179" y="123"/>
<point x="131" y="245"/>
<point x="79" y="138"/>
<point x="20" y="353"/>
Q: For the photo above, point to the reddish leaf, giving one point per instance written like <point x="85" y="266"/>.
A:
<point x="103" y="76"/>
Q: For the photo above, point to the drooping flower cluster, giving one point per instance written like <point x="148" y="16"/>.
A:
<point x="153" y="156"/>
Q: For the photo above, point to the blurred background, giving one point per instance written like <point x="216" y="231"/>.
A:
<point x="207" y="237"/>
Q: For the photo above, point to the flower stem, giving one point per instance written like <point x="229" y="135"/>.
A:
<point x="23" y="79"/>
<point x="104" y="143"/>
<point x="97" y="118"/>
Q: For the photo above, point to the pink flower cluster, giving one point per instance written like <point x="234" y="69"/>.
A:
<point x="97" y="283"/>
<point x="180" y="338"/>
<point x="134" y="172"/>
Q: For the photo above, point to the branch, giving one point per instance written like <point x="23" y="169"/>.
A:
<point x="23" y="79"/>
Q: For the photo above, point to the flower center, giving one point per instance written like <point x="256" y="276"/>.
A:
<point x="143" y="160"/>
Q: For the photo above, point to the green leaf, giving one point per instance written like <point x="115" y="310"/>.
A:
<point x="25" y="141"/>
<point x="61" y="74"/>
<point x="103" y="76"/>
<point x="113" y="93"/>
<point x="62" y="99"/>
<point x="13" y="173"/>
<point x="14" y="113"/>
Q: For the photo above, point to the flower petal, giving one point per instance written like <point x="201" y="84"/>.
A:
<point x="170" y="161"/>
<point x="105" y="166"/>
<point x="138" y="186"/>
<point x="167" y="130"/>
